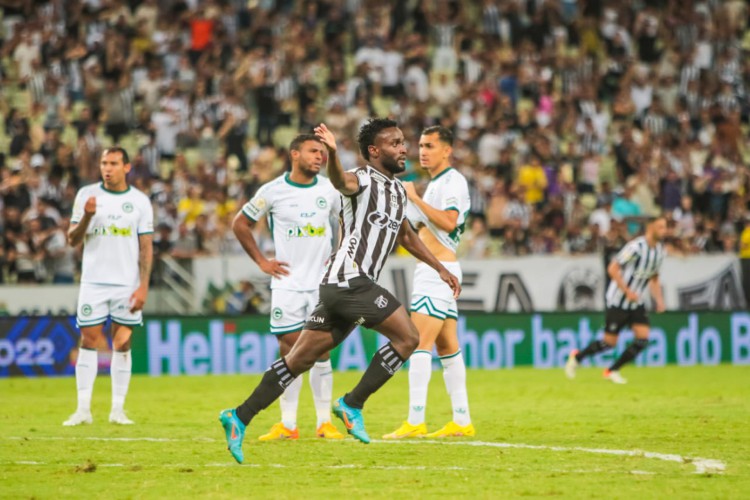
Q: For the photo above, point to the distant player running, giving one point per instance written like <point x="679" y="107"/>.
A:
<point x="635" y="267"/>
<point x="440" y="219"/>
<point x="373" y="209"/>
<point x="114" y="221"/>
<point x="299" y="206"/>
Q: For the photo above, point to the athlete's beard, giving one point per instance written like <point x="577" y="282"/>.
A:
<point x="392" y="165"/>
<point x="307" y="171"/>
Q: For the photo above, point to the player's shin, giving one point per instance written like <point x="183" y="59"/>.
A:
<point x="454" y="374"/>
<point x="87" y="366"/>
<point x="594" y="347"/>
<point x="632" y="352"/>
<point x="321" y="383"/>
<point x="420" y="370"/>
<point x="289" y="402"/>
<point x="276" y="379"/>
<point x="384" y="364"/>
<point x="121" y="370"/>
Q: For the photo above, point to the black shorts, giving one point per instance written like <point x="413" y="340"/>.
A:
<point x="616" y="319"/>
<point x="340" y="309"/>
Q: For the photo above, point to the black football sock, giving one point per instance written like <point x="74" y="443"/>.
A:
<point x="273" y="384"/>
<point x="630" y="354"/>
<point x="384" y="364"/>
<point x="596" y="346"/>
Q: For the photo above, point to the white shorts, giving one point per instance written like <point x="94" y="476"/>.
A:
<point x="431" y="295"/>
<point x="290" y="309"/>
<point x="96" y="303"/>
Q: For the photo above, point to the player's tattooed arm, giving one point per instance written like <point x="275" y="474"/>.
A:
<point x="409" y="239"/>
<point x="145" y="263"/>
<point x="346" y="182"/>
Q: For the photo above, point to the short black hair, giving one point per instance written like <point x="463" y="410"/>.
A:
<point x="369" y="131"/>
<point x="444" y="134"/>
<point x="117" y="149"/>
<point x="301" y="139"/>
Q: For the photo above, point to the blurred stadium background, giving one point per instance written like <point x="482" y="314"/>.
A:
<point x="574" y="119"/>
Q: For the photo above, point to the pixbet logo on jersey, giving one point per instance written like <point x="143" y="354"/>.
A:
<point x="305" y="231"/>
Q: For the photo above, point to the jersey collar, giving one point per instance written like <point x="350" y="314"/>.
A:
<point x="441" y="174"/>
<point x="378" y="175"/>
<point x="101" y="185"/>
<point x="297" y="184"/>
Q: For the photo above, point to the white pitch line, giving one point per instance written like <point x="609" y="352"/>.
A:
<point x="702" y="465"/>
<point x="332" y="467"/>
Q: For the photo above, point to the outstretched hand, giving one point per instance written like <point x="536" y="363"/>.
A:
<point x="326" y="137"/>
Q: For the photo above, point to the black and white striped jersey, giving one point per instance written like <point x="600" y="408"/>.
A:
<point x="639" y="263"/>
<point x="370" y="222"/>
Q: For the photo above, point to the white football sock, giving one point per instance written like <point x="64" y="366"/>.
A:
<point x="420" y="370"/>
<point x="120" y="371"/>
<point x="454" y="374"/>
<point x="288" y="402"/>
<point x="321" y="383"/>
<point x="86" y="369"/>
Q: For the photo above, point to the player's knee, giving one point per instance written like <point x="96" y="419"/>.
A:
<point x="411" y="340"/>
<point x="121" y="344"/>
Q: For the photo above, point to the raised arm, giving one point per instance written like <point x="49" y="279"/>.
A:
<point x="242" y="226"/>
<point x="408" y="239"/>
<point x="77" y="231"/>
<point x="346" y="182"/>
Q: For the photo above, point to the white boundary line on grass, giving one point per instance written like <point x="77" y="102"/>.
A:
<point x="702" y="465"/>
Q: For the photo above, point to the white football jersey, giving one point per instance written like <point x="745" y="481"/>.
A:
<point x="110" y="247"/>
<point x="299" y="219"/>
<point x="447" y="191"/>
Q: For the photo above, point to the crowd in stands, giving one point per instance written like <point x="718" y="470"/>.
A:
<point x="573" y="119"/>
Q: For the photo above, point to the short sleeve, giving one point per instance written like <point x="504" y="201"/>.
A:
<point x="258" y="206"/>
<point x="455" y="196"/>
<point x="363" y="178"/>
<point x="628" y="253"/>
<point x="78" y="206"/>
<point x="146" y="220"/>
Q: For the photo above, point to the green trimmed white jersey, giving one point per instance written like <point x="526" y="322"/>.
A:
<point x="299" y="217"/>
<point x="111" y="245"/>
<point x="447" y="191"/>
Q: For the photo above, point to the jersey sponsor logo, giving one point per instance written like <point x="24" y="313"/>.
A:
<point x="381" y="302"/>
<point x="127" y="207"/>
<point x="321" y="202"/>
<point x="351" y="246"/>
<point x="86" y="310"/>
<point x="380" y="219"/>
<point x="306" y="231"/>
<point x="317" y="319"/>
<point x="277" y="313"/>
<point x="112" y="230"/>
<point x="307" y="215"/>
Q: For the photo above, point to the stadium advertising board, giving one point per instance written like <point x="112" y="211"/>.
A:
<point x="530" y="284"/>
<point x="219" y="345"/>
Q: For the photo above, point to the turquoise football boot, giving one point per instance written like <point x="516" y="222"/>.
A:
<point x="352" y="418"/>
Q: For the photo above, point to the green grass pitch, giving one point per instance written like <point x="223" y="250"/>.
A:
<point x="560" y="439"/>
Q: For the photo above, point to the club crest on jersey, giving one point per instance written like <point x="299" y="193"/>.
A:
<point x="394" y="200"/>
<point x="277" y="313"/>
<point x="381" y="302"/>
<point x="321" y="202"/>
<point x="127" y="207"/>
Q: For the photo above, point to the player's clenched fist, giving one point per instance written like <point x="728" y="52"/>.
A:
<point x="90" y="206"/>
